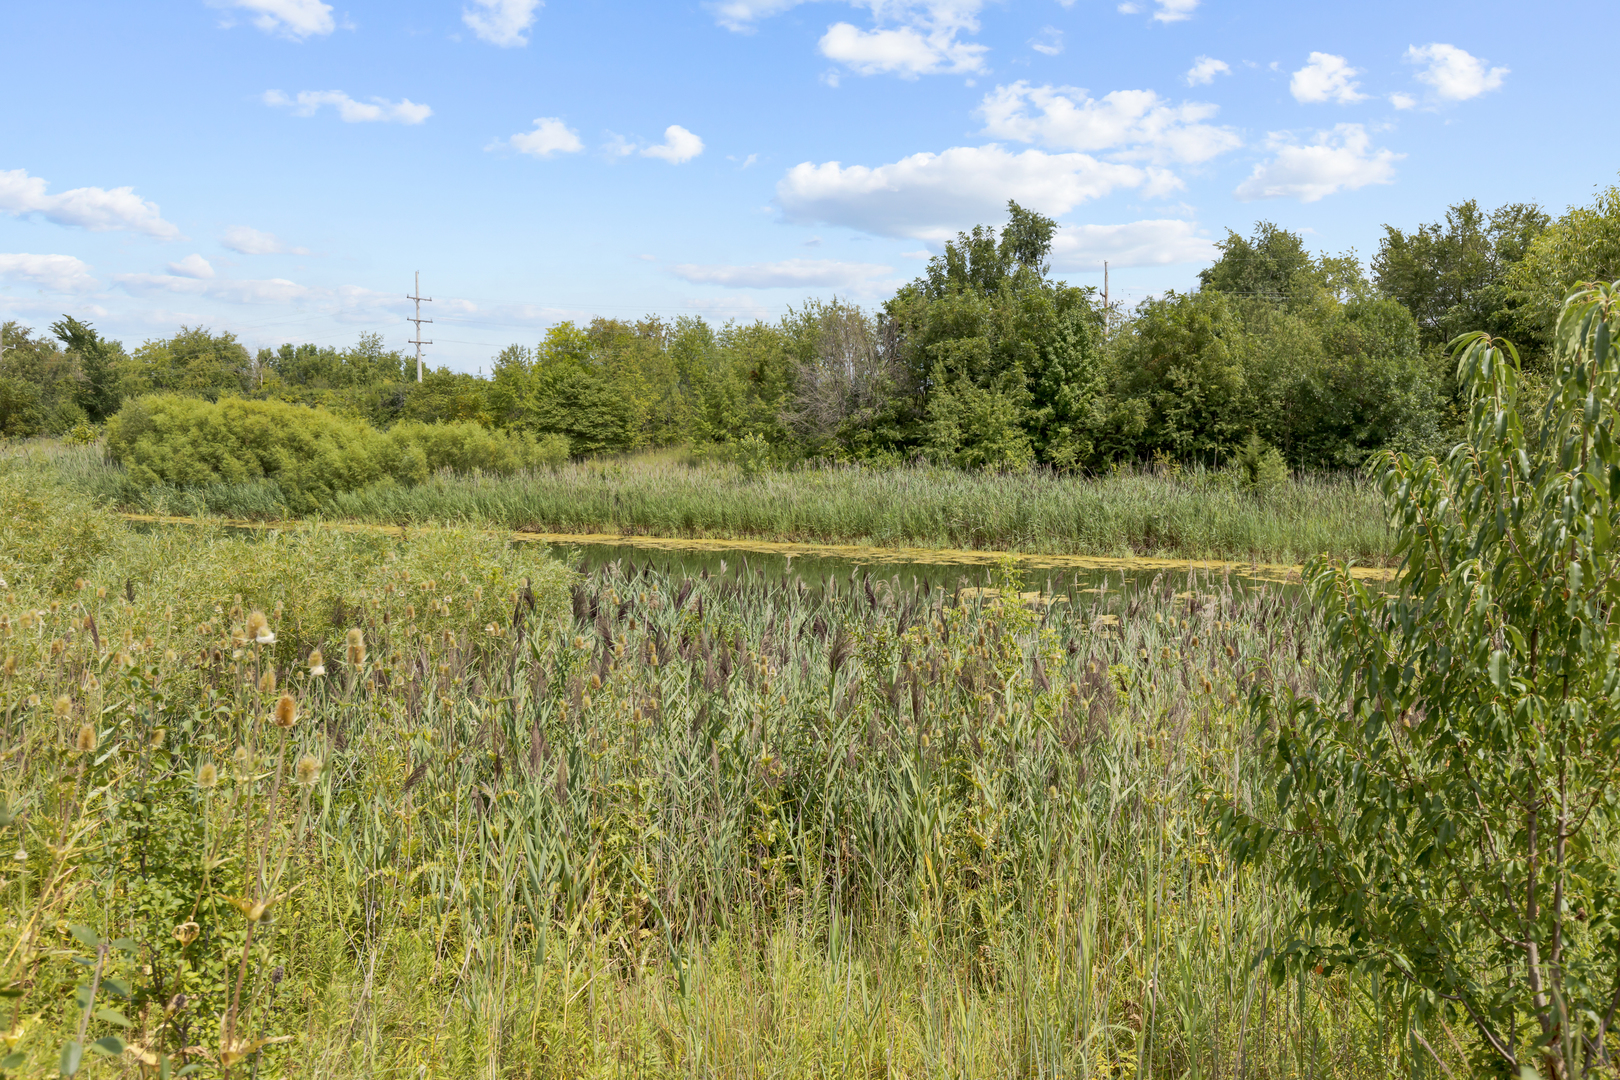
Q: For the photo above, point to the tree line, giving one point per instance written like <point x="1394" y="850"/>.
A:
<point x="985" y="360"/>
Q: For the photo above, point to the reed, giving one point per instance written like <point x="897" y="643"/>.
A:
<point x="629" y="824"/>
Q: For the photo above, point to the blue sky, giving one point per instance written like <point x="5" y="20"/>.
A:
<point x="279" y="168"/>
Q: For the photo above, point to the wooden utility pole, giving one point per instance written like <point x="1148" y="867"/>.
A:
<point x="1108" y="312"/>
<point x="417" y="340"/>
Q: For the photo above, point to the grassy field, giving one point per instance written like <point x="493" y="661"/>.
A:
<point x="523" y="823"/>
<point x="1191" y="514"/>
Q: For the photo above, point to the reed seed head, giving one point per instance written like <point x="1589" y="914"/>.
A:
<point x="207" y="775"/>
<point x="86" y="740"/>
<point x="307" y="770"/>
<point x="286" y="713"/>
<point x="317" y="663"/>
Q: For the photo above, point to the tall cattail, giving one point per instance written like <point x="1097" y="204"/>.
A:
<point x="317" y="663"/>
<point x="356" y="644"/>
<point x="286" y="713"/>
<point x="258" y="628"/>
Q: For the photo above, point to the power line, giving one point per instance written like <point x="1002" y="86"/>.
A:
<point x="417" y="341"/>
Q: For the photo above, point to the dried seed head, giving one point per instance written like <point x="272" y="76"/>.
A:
<point x="10" y="666"/>
<point x="242" y="759"/>
<point x="101" y="592"/>
<point x="410" y="612"/>
<point x="258" y="628"/>
<point x="355" y="643"/>
<point x="579" y="642"/>
<point x="286" y="713"/>
<point x="86" y="740"/>
<point x="308" y="769"/>
<point x="207" y="775"/>
<point x="33" y="701"/>
<point x="186" y="932"/>
<point x="317" y="663"/>
<point x="267" y="681"/>
<point x="63" y="708"/>
<point x="79" y="583"/>
<point x="596" y="681"/>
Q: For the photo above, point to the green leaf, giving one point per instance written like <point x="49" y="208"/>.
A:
<point x="110" y="1045"/>
<point x="1498" y="668"/>
<point x="189" y="1069"/>
<point x="90" y="939"/>
<point x="112" y="1016"/>
<point x="13" y="1062"/>
<point x="124" y="944"/>
<point x="116" y="987"/>
<point x="72" y="1054"/>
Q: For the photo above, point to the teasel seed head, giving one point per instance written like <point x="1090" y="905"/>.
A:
<point x="317" y="663"/>
<point x="355" y="642"/>
<point x="286" y="714"/>
<point x="10" y="666"/>
<point x="596" y="681"/>
<point x="207" y="775"/>
<point x="307" y="770"/>
<point x="63" y="707"/>
<point x="258" y="628"/>
<point x="86" y="739"/>
<point x="267" y="681"/>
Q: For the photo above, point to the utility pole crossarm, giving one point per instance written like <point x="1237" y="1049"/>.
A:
<point x="418" y="320"/>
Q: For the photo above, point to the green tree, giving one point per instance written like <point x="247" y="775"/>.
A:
<point x="1272" y="265"/>
<point x="1445" y="806"/>
<point x="97" y="387"/>
<point x="1582" y="245"/>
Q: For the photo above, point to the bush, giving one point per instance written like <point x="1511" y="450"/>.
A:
<point x="310" y="454"/>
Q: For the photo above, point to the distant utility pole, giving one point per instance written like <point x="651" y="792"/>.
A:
<point x="417" y="340"/>
<point x="1108" y="313"/>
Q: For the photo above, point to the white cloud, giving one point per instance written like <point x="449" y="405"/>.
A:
<point x="377" y="110"/>
<point x="58" y="273"/>
<point x="679" y="146"/>
<point x="787" y="273"/>
<point x="501" y="22"/>
<point x="1167" y="11"/>
<point x="1138" y="243"/>
<point x="297" y="19"/>
<point x="1138" y="124"/>
<point x="231" y="290"/>
<point x="192" y="266"/>
<point x="1454" y="74"/>
<point x="1204" y="70"/>
<point x="1338" y="160"/>
<point x="1403" y="101"/>
<point x="93" y="208"/>
<point x="1049" y="42"/>
<point x="550" y="136"/>
<point x="1326" y="77"/>
<point x="932" y="196"/>
<point x="907" y="37"/>
<point x="246" y="241"/>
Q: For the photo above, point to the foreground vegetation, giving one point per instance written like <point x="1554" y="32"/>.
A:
<point x="1189" y="513"/>
<point x="628" y="824"/>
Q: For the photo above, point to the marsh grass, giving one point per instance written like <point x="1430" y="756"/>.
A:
<point x="1187" y="514"/>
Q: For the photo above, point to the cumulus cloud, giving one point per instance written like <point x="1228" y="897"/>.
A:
<point x="58" y="273"/>
<point x="377" y="110"/>
<point x="192" y="266"/>
<point x="550" y="136"/>
<point x="1160" y="242"/>
<point x="1167" y="11"/>
<point x="787" y="273"/>
<point x="1326" y="77"/>
<point x="1454" y="74"/>
<point x="1204" y="70"/>
<point x="907" y="37"/>
<point x="932" y="196"/>
<point x="1342" y="159"/>
<point x="93" y="208"/>
<point x="679" y="146"/>
<point x="296" y="19"/>
<point x="1403" y="101"/>
<point x="1049" y="42"/>
<point x="231" y="290"/>
<point x="246" y="241"/>
<point x="1136" y="124"/>
<point x="501" y="22"/>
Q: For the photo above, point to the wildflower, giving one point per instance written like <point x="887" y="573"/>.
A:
<point x="286" y="713"/>
<point x="186" y="933"/>
<point x="242" y="759"/>
<point x="207" y="775"/>
<point x="63" y="707"/>
<point x="317" y="663"/>
<point x="258" y="628"/>
<point x="33" y="701"/>
<point x="267" y="681"/>
<point x="356" y="644"/>
<point x="308" y="769"/>
<point x="86" y="740"/>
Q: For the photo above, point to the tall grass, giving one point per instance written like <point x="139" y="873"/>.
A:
<point x="641" y="825"/>
<point x="1192" y="514"/>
